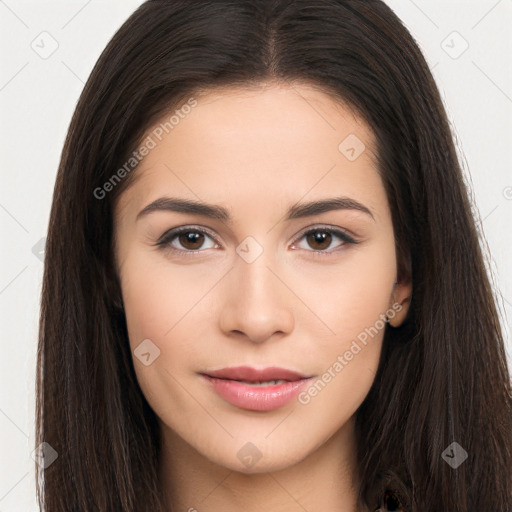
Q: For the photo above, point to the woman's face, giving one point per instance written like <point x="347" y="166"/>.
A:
<point x="266" y="282"/>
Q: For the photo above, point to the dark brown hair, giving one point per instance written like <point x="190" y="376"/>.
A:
<point x="443" y="374"/>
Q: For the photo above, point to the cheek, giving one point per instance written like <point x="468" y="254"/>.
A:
<point x="352" y="303"/>
<point x="158" y="296"/>
<point x="155" y="316"/>
<point x="351" y="298"/>
<point x="347" y="355"/>
<point x="164" y="303"/>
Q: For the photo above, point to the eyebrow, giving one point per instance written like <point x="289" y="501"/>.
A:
<point x="217" y="212"/>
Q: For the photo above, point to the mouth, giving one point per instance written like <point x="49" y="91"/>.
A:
<point x="256" y="389"/>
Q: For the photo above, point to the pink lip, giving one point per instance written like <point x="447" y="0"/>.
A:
<point x="226" y="383"/>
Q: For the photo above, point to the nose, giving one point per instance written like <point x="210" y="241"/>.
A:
<point x="257" y="303"/>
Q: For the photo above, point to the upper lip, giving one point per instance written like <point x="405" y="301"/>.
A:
<point x="250" y="374"/>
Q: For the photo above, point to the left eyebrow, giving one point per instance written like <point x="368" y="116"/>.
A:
<point x="220" y="213"/>
<point x="326" y="205"/>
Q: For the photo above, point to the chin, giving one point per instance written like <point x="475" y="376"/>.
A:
<point x="254" y="457"/>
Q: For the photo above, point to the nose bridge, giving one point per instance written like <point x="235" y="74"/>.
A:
<point x="252" y="269"/>
<point x="256" y="282"/>
<point x="258" y="303"/>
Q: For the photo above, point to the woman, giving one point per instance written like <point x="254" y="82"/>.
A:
<point x="263" y="285"/>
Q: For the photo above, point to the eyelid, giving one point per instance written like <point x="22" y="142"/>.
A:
<point x="170" y="234"/>
<point x="319" y="227"/>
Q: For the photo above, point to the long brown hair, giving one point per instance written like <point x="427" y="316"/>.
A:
<point x="443" y="374"/>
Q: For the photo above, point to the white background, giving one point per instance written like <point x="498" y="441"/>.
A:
<point x="38" y="96"/>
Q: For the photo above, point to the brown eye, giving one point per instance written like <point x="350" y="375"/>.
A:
<point x="191" y="240"/>
<point x="320" y="239"/>
<point x="185" y="240"/>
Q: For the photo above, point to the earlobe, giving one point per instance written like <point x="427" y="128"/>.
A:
<point x="399" y="303"/>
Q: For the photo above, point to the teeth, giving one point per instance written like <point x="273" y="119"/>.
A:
<point x="266" y="383"/>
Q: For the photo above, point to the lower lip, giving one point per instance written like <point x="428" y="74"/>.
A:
<point x="256" y="398"/>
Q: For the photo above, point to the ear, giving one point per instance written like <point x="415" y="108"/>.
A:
<point x="400" y="301"/>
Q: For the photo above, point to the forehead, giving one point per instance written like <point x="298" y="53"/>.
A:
<point x="252" y="142"/>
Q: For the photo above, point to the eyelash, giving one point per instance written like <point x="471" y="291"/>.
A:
<point x="169" y="236"/>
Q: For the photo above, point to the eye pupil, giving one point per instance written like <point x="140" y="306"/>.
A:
<point x="319" y="237"/>
<point x="191" y="237"/>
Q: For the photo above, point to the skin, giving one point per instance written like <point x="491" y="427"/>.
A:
<point x="257" y="152"/>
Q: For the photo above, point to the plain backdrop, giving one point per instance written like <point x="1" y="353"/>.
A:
<point x="48" y="51"/>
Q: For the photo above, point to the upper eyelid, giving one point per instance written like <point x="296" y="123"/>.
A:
<point x="327" y="227"/>
<point x="191" y="227"/>
<point x="184" y="229"/>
